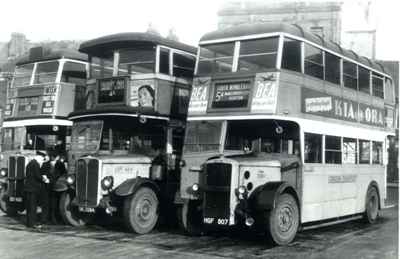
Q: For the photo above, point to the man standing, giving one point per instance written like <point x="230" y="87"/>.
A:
<point x="57" y="169"/>
<point x="46" y="172"/>
<point x="33" y="187"/>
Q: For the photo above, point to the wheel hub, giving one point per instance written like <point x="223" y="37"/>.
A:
<point x="285" y="219"/>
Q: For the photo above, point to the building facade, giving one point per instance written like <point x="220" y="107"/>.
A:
<point x="323" y="19"/>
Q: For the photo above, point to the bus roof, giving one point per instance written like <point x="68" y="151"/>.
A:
<point x="129" y="39"/>
<point x="292" y="29"/>
<point x="43" y="54"/>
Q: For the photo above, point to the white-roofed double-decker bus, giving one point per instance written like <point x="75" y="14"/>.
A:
<point x="47" y="85"/>
<point x="284" y="130"/>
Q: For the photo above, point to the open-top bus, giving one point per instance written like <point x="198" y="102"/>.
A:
<point x="46" y="86"/>
<point x="127" y="141"/>
<point x="284" y="130"/>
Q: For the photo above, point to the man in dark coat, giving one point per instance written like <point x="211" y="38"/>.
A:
<point x="33" y="188"/>
<point x="57" y="169"/>
<point x="45" y="171"/>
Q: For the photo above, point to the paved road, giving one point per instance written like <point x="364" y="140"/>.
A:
<point x="346" y="240"/>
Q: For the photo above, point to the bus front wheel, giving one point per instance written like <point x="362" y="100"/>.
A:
<point x="69" y="213"/>
<point x="141" y="211"/>
<point x="371" y="206"/>
<point x="283" y="220"/>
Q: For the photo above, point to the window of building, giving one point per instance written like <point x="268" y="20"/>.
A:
<point x="313" y="61"/>
<point x="291" y="55"/>
<point x="364" y="155"/>
<point x="363" y="80"/>
<point x="258" y="54"/>
<point x="164" y="61"/>
<point x="312" y="148"/>
<point x="377" y="85"/>
<point x="332" y="68"/>
<point x="377" y="152"/>
<point x="350" y="75"/>
<point x="183" y="65"/>
<point x="349" y="151"/>
<point x="333" y="151"/>
<point x="216" y="58"/>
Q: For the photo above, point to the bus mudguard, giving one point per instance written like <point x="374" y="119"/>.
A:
<point x="130" y="186"/>
<point x="264" y="197"/>
<point x="374" y="184"/>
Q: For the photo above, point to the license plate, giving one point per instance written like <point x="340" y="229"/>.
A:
<point x="218" y="221"/>
<point x="18" y="199"/>
<point x="86" y="209"/>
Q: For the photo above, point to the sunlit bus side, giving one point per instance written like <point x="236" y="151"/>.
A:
<point x="285" y="130"/>
<point x="47" y="85"/>
<point x="127" y="142"/>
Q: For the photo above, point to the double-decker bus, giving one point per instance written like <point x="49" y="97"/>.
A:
<point x="47" y="84"/>
<point x="127" y="141"/>
<point x="284" y="130"/>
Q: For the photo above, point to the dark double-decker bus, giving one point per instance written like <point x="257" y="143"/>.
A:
<point x="285" y="130"/>
<point x="47" y="84"/>
<point x="127" y="142"/>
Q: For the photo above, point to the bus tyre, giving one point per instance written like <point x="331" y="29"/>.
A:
<point x="371" y="206"/>
<point x="141" y="211"/>
<point x="3" y="199"/>
<point x="191" y="218"/>
<point x="283" y="220"/>
<point x="70" y="213"/>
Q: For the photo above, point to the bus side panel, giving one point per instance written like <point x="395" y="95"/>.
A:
<point x="332" y="191"/>
<point x="314" y="184"/>
<point x="65" y="99"/>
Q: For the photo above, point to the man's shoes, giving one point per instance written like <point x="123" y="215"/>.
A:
<point x="38" y="226"/>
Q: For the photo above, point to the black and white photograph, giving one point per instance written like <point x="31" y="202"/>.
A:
<point x="199" y="129"/>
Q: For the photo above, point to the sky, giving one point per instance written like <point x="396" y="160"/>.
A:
<point x="43" y="20"/>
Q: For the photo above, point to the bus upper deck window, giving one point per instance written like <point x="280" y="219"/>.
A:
<point x="332" y="68"/>
<point x="258" y="54"/>
<point x="350" y="79"/>
<point x="291" y="55"/>
<point x="133" y="61"/>
<point x="46" y="72"/>
<point x="22" y="75"/>
<point x="183" y="65"/>
<point x="313" y="61"/>
<point x="216" y="58"/>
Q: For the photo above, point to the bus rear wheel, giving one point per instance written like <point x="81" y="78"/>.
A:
<point x="371" y="206"/>
<point x="283" y="220"/>
<point x="69" y="213"/>
<point x="141" y="211"/>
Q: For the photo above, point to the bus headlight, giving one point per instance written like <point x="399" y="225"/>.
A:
<point x="241" y="192"/>
<point x="3" y="172"/>
<point x="182" y="163"/>
<point x="107" y="183"/>
<point x="195" y="187"/>
<point x="70" y="179"/>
